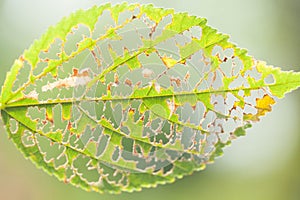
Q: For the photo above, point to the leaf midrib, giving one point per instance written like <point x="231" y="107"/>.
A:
<point x="98" y="99"/>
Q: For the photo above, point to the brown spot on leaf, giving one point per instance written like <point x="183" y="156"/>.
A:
<point x="82" y="73"/>
<point x="49" y="118"/>
<point x="69" y="125"/>
<point x="194" y="107"/>
<point x="176" y="80"/>
<point x="218" y="56"/>
<point x="187" y="76"/>
<point x="183" y="61"/>
<point x="22" y="59"/>
<point x="66" y="181"/>
<point x="116" y="78"/>
<point x="128" y="82"/>
<point x="131" y="110"/>
<point x="152" y="28"/>
<point x="172" y="106"/>
<point x="142" y="118"/>
<point x="109" y="87"/>
<point x="138" y="83"/>
<point x="75" y="72"/>
<point x="98" y="61"/>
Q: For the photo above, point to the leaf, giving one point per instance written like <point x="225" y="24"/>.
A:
<point x="119" y="98"/>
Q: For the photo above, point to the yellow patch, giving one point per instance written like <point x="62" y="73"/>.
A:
<point x="264" y="105"/>
<point x="168" y="61"/>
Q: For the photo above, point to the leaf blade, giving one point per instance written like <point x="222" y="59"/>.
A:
<point x="139" y="116"/>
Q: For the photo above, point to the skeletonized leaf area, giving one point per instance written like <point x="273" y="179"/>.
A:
<point x="116" y="98"/>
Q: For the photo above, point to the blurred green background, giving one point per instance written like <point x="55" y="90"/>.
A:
<point x="263" y="165"/>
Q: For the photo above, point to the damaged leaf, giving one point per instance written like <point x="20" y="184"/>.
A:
<point x="119" y="98"/>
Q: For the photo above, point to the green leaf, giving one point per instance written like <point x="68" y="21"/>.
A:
<point x="119" y="98"/>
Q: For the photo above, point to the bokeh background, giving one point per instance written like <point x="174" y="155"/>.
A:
<point x="264" y="165"/>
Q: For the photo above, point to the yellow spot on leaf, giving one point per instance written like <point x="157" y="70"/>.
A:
<point x="168" y="61"/>
<point x="263" y="106"/>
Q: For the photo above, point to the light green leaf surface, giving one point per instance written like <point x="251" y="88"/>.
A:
<point x="119" y="98"/>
